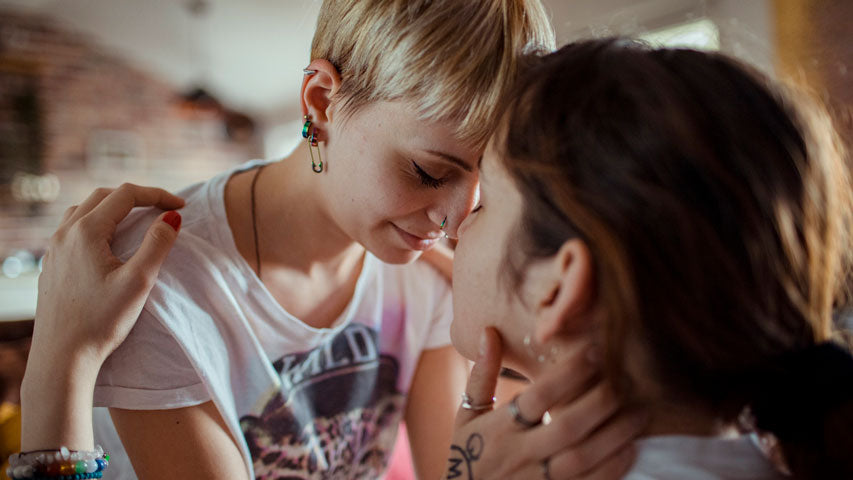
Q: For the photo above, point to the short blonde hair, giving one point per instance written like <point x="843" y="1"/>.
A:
<point x="452" y="60"/>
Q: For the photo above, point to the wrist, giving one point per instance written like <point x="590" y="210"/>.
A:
<point x="55" y="370"/>
<point x="56" y="405"/>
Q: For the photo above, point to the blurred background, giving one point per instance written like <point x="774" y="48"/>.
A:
<point x="168" y="92"/>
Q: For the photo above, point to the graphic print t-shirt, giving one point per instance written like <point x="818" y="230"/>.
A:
<point x="301" y="402"/>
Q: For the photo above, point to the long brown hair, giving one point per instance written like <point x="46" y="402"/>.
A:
<point x="718" y="215"/>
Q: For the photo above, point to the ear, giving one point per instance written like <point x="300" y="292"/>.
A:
<point x="568" y="293"/>
<point x="318" y="89"/>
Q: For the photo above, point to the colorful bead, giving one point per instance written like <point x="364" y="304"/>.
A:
<point x="91" y="466"/>
<point x="68" y="469"/>
<point x="53" y="469"/>
<point x="101" y="464"/>
<point x="80" y="467"/>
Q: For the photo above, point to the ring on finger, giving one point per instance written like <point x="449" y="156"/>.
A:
<point x="517" y="417"/>
<point x="467" y="403"/>
<point x="546" y="468"/>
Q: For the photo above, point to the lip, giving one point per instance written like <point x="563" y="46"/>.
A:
<point x="415" y="242"/>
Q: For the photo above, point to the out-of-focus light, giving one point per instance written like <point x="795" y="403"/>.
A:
<point x="12" y="267"/>
<point x="700" y="34"/>
<point x="35" y="188"/>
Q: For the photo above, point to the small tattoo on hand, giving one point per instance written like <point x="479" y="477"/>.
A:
<point x="470" y="454"/>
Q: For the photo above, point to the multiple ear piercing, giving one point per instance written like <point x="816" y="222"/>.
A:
<point x="538" y="356"/>
<point x="309" y="131"/>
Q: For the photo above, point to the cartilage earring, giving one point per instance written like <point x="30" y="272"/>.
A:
<point x="309" y="132"/>
<point x="443" y="223"/>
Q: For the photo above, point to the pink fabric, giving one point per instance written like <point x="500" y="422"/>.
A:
<point x="400" y="467"/>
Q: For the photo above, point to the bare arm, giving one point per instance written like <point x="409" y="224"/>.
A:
<point x="192" y="442"/>
<point x="433" y="399"/>
<point x="87" y="303"/>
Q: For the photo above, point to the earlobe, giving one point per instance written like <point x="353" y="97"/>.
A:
<point x="564" y="305"/>
<point x="318" y="89"/>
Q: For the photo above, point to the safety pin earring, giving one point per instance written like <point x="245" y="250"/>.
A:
<point x="309" y="72"/>
<point x="311" y="134"/>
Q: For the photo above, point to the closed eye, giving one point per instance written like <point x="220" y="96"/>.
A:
<point x="427" y="179"/>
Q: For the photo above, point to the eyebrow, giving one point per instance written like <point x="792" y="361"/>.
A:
<point x="455" y="160"/>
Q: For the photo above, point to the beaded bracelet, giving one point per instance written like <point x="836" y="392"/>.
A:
<point x="62" y="464"/>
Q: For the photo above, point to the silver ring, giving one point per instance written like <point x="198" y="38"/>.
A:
<point x="516" y="414"/>
<point x="546" y="468"/>
<point x="467" y="405"/>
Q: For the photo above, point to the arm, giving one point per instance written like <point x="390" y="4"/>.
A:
<point x="87" y="303"/>
<point x="433" y="399"/>
<point x="192" y="442"/>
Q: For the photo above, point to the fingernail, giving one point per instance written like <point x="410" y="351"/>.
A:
<point x="173" y="218"/>
<point x="593" y="355"/>
<point x="483" y="343"/>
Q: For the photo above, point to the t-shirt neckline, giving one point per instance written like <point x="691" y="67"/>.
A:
<point x="255" y="287"/>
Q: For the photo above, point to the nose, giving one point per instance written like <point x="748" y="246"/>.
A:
<point x="454" y="208"/>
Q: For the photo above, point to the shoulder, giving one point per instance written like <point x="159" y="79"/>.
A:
<point x="131" y="231"/>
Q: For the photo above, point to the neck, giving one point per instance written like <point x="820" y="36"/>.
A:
<point x="666" y="417"/>
<point x="291" y="216"/>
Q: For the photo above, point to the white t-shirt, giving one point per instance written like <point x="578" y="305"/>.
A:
<point x="683" y="457"/>
<point x="300" y="401"/>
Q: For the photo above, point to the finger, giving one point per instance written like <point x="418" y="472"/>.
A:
<point x="484" y="376"/>
<point x="155" y="247"/>
<point x="557" y="387"/>
<point x="92" y="201"/>
<point x="614" y="467"/>
<point x="68" y="213"/>
<point x="572" y="424"/>
<point x="120" y="202"/>
<point x="592" y="453"/>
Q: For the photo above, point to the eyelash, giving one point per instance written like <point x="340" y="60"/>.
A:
<point x="427" y="179"/>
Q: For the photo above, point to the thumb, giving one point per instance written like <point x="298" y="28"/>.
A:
<point x="484" y="376"/>
<point x="156" y="245"/>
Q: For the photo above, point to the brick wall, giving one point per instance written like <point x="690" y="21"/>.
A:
<point x="101" y="121"/>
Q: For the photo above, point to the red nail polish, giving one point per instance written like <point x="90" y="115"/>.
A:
<point x="173" y="218"/>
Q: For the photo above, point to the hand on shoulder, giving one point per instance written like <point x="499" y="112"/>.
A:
<point x="88" y="300"/>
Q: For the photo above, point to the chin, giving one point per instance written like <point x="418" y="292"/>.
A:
<point x="396" y="256"/>
<point x="461" y="341"/>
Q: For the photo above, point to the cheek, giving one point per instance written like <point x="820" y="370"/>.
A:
<point x="475" y="305"/>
